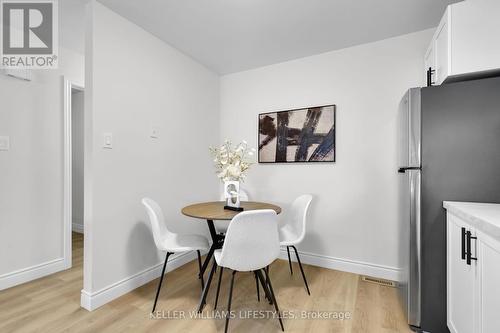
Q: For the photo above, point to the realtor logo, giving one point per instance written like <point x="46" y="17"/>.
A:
<point x="29" y="34"/>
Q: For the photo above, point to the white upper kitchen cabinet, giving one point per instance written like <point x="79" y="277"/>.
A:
<point x="430" y="63"/>
<point x="466" y="41"/>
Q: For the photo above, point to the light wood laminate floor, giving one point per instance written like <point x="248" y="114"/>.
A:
<point x="52" y="304"/>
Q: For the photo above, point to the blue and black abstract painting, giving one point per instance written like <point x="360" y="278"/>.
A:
<point x="302" y="135"/>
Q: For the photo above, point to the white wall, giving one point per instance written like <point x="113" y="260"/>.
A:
<point x="77" y="110"/>
<point x="31" y="177"/>
<point x="72" y="66"/>
<point x="353" y="219"/>
<point x="134" y="81"/>
<point x="31" y="172"/>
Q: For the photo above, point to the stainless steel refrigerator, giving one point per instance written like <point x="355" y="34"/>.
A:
<point x="449" y="149"/>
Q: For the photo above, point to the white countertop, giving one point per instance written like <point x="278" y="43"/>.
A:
<point x="483" y="216"/>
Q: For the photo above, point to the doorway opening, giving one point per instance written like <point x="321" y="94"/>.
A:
<point x="77" y="175"/>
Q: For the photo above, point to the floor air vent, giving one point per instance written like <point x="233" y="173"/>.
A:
<point x="382" y="282"/>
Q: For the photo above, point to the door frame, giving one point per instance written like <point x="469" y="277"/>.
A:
<point x="68" y="174"/>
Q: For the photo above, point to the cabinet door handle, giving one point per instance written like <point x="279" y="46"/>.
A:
<point x="469" y="251"/>
<point x="430" y="71"/>
<point x="463" y="243"/>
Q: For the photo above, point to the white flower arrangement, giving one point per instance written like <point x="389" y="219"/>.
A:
<point x="232" y="163"/>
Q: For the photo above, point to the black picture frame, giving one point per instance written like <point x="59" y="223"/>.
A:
<point x="305" y="109"/>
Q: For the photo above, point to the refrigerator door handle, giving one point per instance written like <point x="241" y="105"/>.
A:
<point x="464" y="250"/>
<point x="403" y="170"/>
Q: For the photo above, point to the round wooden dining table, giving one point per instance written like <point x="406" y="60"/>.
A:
<point x="215" y="210"/>
<point x="211" y="211"/>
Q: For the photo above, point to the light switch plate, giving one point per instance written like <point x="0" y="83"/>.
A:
<point x="4" y="143"/>
<point x="108" y="140"/>
<point x="155" y="132"/>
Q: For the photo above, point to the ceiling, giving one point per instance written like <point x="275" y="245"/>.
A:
<point x="233" y="35"/>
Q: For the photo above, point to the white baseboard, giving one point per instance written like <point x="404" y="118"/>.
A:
<point x="77" y="228"/>
<point x="346" y="265"/>
<point x="77" y="225"/>
<point x="31" y="273"/>
<point x="92" y="301"/>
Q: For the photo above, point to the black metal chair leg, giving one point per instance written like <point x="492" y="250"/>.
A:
<point x="218" y="287"/>
<point x="161" y="280"/>
<point x="207" y="286"/>
<point x="274" y="299"/>
<point x="257" y="285"/>
<point x="263" y="282"/>
<point x="289" y="260"/>
<point x="228" y="315"/>
<point x="200" y="276"/>
<point x="267" y="270"/>
<point x="301" y="269"/>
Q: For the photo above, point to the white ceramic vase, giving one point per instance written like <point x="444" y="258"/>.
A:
<point x="232" y="193"/>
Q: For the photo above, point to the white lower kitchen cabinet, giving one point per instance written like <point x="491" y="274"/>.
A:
<point x="461" y="278"/>
<point x="488" y="284"/>
<point x="473" y="267"/>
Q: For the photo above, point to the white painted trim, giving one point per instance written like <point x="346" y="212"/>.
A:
<point x="67" y="183"/>
<point x="346" y="265"/>
<point x="31" y="273"/>
<point x="88" y="131"/>
<point x="69" y="225"/>
<point x="77" y="225"/>
<point x="92" y="301"/>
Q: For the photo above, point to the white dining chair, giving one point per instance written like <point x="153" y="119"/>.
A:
<point x="169" y="242"/>
<point x="292" y="232"/>
<point x="251" y="244"/>
<point x="221" y="226"/>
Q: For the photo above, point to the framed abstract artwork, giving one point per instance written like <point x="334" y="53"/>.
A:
<point x="300" y="135"/>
